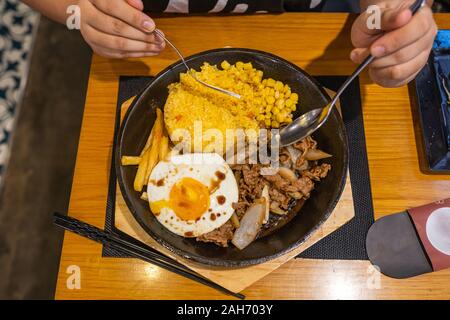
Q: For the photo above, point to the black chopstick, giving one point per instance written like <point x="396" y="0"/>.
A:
<point x="142" y="252"/>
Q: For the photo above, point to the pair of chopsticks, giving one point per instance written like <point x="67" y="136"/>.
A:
<point x="136" y="250"/>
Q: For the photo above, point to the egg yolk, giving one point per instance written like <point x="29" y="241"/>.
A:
<point x="189" y="199"/>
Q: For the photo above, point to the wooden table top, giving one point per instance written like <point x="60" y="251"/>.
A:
<point x="320" y="44"/>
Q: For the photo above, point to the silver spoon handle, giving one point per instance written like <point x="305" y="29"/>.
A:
<point x="159" y="33"/>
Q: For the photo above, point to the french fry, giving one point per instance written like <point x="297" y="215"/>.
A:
<point x="159" y="125"/>
<point x="150" y="154"/>
<point x="130" y="161"/>
<point x="153" y="155"/>
<point x="155" y="143"/>
<point x="141" y="176"/>
<point x="164" y="148"/>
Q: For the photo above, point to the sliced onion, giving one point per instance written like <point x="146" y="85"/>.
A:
<point x="250" y="225"/>
<point x="275" y="208"/>
<point x="288" y="174"/>
<point x="296" y="195"/>
<point x="316" y="154"/>
<point x="295" y="153"/>
<point x="266" y="197"/>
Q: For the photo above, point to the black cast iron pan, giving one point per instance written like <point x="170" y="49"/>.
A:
<point x="331" y="138"/>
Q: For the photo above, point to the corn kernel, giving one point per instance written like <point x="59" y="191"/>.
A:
<point x="268" y="122"/>
<point x="289" y="103"/>
<point x="225" y="65"/>
<point x="268" y="108"/>
<point x="280" y="117"/>
<point x="270" y="99"/>
<point x="248" y="66"/>
<point x="275" y="110"/>
<point x="239" y="64"/>
<point x="280" y="103"/>
<point x="278" y="86"/>
<point x="275" y="124"/>
<point x="270" y="82"/>
<point x="294" y="97"/>
<point x="287" y="94"/>
<point x="260" y="117"/>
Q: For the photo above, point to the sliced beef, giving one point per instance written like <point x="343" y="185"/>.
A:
<point x="221" y="236"/>
<point x="318" y="172"/>
<point x="281" y="190"/>
<point x="304" y="185"/>
<point x="280" y="198"/>
<point x="241" y="207"/>
<point x="305" y="144"/>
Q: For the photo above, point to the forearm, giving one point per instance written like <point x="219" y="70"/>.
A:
<point x="55" y="10"/>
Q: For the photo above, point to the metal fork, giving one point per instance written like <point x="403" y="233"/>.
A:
<point x="230" y="93"/>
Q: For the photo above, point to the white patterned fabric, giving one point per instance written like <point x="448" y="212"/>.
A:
<point x="230" y="6"/>
<point x="17" y="25"/>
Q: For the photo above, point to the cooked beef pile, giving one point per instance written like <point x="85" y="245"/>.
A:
<point x="220" y="236"/>
<point x="299" y="170"/>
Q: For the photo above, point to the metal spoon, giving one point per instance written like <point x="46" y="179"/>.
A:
<point x="230" y="93"/>
<point x="309" y="122"/>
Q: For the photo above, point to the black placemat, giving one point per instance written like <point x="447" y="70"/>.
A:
<point x="346" y="243"/>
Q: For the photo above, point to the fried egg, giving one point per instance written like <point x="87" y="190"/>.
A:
<point x="192" y="194"/>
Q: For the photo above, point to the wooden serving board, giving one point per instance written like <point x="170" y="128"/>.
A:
<point x="236" y="279"/>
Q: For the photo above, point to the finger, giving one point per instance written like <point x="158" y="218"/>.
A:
<point x="404" y="36"/>
<point x="365" y="29"/>
<point x="113" y="26"/>
<point x="120" y="43"/>
<point x="107" y="53"/>
<point x="394" y="18"/>
<point x="398" y="75"/>
<point x="361" y="35"/>
<point x="127" y="13"/>
<point x="407" y="53"/>
<point x="138" y="4"/>
<point x="359" y="54"/>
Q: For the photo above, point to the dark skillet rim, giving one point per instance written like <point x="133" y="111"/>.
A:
<point x="215" y="261"/>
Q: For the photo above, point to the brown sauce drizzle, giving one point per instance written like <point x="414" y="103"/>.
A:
<point x="188" y="234"/>
<point x="212" y="217"/>
<point x="221" y="200"/>
<point x="220" y="175"/>
<point x="160" y="182"/>
<point x="216" y="183"/>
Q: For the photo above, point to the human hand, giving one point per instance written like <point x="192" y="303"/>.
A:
<point x="119" y="28"/>
<point x="401" y="47"/>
